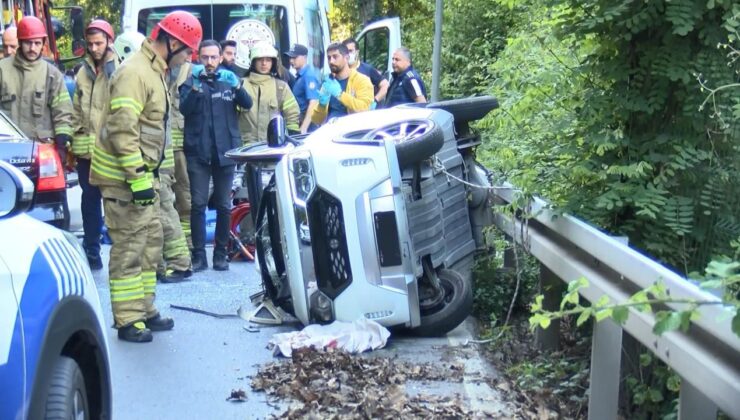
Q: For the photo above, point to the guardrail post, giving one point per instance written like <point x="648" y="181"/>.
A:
<point x="552" y="288"/>
<point x="606" y="358"/>
<point x="694" y="405"/>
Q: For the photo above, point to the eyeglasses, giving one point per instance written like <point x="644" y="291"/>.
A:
<point x="210" y="57"/>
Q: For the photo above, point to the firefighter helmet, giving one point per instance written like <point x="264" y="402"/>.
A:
<point x="262" y="49"/>
<point x="31" y="27"/>
<point x="128" y="43"/>
<point x="182" y="26"/>
<point x="103" y="26"/>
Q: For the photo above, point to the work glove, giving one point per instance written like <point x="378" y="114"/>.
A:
<point x="197" y="70"/>
<point x="143" y="191"/>
<point x="60" y="142"/>
<point x="227" y="76"/>
<point x="332" y="87"/>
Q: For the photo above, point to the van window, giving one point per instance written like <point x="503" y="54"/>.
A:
<point x="255" y="22"/>
<point x="315" y="37"/>
<point x="373" y="47"/>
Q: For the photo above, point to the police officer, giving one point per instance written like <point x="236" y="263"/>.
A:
<point x="90" y="102"/>
<point x="406" y="85"/>
<point x="32" y="90"/>
<point x="208" y="101"/>
<point x="306" y="87"/>
<point x="125" y="166"/>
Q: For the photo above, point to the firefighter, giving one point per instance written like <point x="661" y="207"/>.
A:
<point x="181" y="188"/>
<point x="90" y="102"/>
<point x="32" y="90"/>
<point x="128" y="43"/>
<point x="125" y="165"/>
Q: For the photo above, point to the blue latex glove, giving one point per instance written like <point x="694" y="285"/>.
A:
<point x="227" y="76"/>
<point x="324" y="98"/>
<point x="332" y="87"/>
<point x="373" y="105"/>
<point x="198" y="69"/>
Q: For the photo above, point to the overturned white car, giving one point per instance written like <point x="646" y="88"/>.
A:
<point x="374" y="215"/>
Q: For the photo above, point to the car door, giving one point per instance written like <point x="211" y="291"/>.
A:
<point x="12" y="355"/>
<point x="377" y="42"/>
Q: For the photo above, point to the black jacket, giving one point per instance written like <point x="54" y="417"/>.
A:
<point x="211" y="119"/>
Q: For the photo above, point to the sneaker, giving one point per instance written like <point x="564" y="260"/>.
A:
<point x="135" y="333"/>
<point x="95" y="262"/>
<point x="160" y="323"/>
<point x="199" y="262"/>
<point x="220" y="263"/>
<point x="175" y="276"/>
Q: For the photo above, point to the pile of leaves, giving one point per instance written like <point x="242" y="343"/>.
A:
<point x="334" y="384"/>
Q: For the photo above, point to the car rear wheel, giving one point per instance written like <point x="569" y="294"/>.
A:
<point x="441" y="314"/>
<point x="67" y="396"/>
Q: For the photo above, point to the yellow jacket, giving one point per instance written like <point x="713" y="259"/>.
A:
<point x="90" y="103"/>
<point x="178" y="122"/>
<point x="33" y="94"/>
<point x="357" y="97"/>
<point x="131" y="144"/>
<point x="270" y="96"/>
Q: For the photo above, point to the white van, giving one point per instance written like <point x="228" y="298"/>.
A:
<point x="281" y="22"/>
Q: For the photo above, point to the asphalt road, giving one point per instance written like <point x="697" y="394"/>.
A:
<point x="188" y="373"/>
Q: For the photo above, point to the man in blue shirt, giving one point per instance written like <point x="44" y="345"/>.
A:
<point x="406" y="85"/>
<point x="380" y="84"/>
<point x="306" y="87"/>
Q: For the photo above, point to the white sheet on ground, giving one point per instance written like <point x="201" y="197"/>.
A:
<point x="354" y="337"/>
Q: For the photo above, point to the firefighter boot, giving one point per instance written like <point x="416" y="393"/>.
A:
<point x="160" y="323"/>
<point x="135" y="333"/>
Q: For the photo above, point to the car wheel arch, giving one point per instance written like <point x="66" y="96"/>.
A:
<point x="73" y="331"/>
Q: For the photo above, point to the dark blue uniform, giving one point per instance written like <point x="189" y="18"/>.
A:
<point x="306" y="87"/>
<point x="372" y="73"/>
<point x="404" y="88"/>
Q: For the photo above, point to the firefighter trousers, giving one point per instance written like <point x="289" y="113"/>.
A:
<point x="176" y="250"/>
<point x="136" y="233"/>
<point x="181" y="188"/>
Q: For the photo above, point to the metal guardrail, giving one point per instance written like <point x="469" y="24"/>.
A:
<point x="707" y="356"/>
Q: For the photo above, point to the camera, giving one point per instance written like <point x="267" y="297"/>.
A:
<point x="207" y="77"/>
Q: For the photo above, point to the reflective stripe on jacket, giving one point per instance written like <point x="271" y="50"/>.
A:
<point x="90" y="103"/>
<point x="132" y="141"/>
<point x="270" y="96"/>
<point x="33" y="94"/>
<point x="178" y="122"/>
<point x="357" y="97"/>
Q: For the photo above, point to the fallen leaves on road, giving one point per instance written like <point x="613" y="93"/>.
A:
<point x="334" y="384"/>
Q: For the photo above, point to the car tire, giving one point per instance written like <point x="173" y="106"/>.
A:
<point x="456" y="306"/>
<point x="467" y="109"/>
<point x="416" y="149"/>
<point x="67" y="396"/>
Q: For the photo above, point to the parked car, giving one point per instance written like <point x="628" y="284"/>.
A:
<point x="42" y="164"/>
<point x="375" y="215"/>
<point x="54" y="360"/>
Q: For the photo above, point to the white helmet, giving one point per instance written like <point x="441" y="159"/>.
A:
<point x="128" y="43"/>
<point x="262" y="49"/>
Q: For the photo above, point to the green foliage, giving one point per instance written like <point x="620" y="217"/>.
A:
<point x="652" y="388"/>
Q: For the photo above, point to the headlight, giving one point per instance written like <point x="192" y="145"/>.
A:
<point x="302" y="181"/>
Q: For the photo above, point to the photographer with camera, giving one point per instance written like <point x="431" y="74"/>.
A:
<point x="208" y="102"/>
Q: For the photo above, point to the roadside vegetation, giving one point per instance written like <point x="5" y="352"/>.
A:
<point x="625" y="114"/>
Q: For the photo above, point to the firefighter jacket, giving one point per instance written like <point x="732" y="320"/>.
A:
<point x="131" y="144"/>
<point x="271" y="96"/>
<point x="33" y="94"/>
<point x="211" y="121"/>
<point x="90" y="103"/>
<point x="178" y="122"/>
<point x="357" y="97"/>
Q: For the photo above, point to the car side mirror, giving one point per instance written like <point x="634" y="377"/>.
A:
<point x="16" y="191"/>
<point x="276" y="131"/>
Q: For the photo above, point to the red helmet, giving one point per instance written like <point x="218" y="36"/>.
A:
<point x="31" y="27"/>
<point x="103" y="26"/>
<point x="182" y="26"/>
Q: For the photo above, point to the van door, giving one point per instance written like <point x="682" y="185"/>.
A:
<point x="377" y="42"/>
